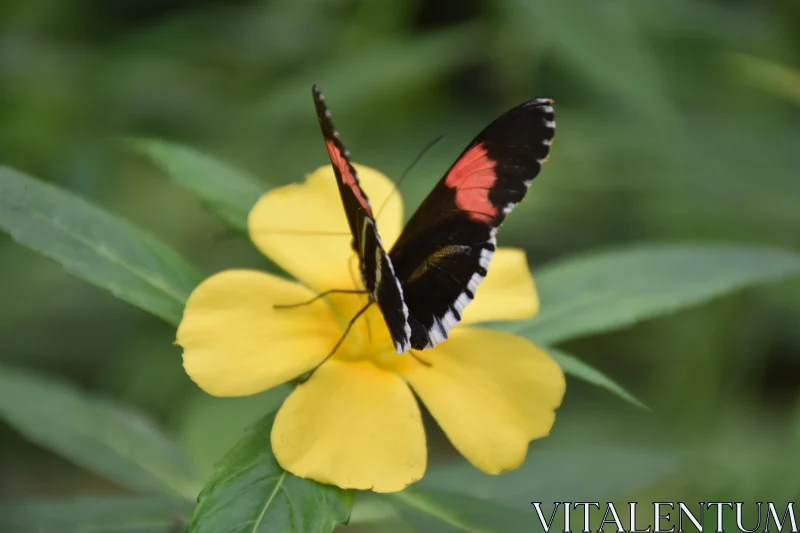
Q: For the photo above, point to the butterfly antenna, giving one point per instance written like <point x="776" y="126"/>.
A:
<point x="318" y="296"/>
<point x="341" y="340"/>
<point x="407" y="170"/>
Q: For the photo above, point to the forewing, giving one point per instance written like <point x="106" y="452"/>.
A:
<point x="445" y="249"/>
<point x="375" y="266"/>
<point x="355" y="202"/>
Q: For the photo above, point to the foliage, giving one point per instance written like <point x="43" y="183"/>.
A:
<point x="672" y="183"/>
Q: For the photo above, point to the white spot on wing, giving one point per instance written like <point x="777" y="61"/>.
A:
<point x="437" y="333"/>
<point x="449" y="320"/>
<point x="442" y="326"/>
<point x="463" y="298"/>
<point x="486" y="257"/>
<point x="380" y="253"/>
<point x="472" y="286"/>
<point x="405" y="345"/>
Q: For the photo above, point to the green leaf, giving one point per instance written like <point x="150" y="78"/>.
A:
<point x="95" y="246"/>
<point x="567" y="466"/>
<point x="110" y="440"/>
<point x="251" y="493"/>
<point x="94" y="515"/>
<point x="209" y="426"/>
<point x="434" y="511"/>
<point x="613" y="289"/>
<point x="776" y="78"/>
<point x="573" y="366"/>
<point x="440" y="511"/>
<point x="228" y="191"/>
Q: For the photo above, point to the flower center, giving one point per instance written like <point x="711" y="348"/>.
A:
<point x="368" y="338"/>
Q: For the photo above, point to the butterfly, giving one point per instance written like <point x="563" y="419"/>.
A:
<point x="424" y="283"/>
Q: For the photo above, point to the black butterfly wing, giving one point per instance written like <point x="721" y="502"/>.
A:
<point x="445" y="249"/>
<point x="377" y="271"/>
<point x="356" y="204"/>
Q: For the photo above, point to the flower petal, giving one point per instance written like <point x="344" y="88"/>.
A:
<point x="491" y="392"/>
<point x="507" y="293"/>
<point x="352" y="425"/>
<point x="302" y="227"/>
<point x="235" y="343"/>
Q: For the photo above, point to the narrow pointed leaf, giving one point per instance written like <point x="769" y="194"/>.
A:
<point x="777" y="78"/>
<point x="94" y="245"/>
<point x="566" y="466"/>
<point x="613" y="289"/>
<point x="250" y="493"/>
<point x="228" y="191"/>
<point x="576" y="368"/>
<point x="106" y="438"/>
<point x="94" y="515"/>
<point x="436" y="511"/>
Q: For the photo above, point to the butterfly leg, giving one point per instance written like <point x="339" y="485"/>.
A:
<point x="339" y="343"/>
<point x="320" y="295"/>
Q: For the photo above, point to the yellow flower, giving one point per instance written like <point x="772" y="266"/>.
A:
<point x="355" y="423"/>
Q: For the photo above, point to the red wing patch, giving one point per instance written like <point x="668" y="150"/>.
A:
<point x="472" y="177"/>
<point x="348" y="177"/>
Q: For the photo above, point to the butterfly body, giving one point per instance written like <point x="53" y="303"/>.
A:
<point x="424" y="283"/>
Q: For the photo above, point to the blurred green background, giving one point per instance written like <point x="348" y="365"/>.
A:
<point x="677" y="120"/>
